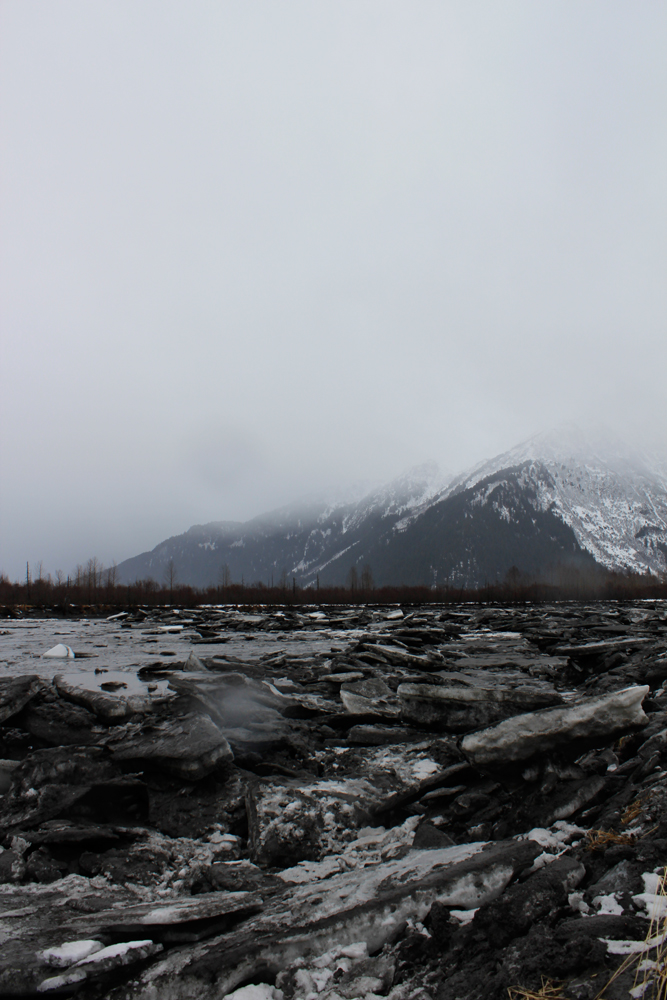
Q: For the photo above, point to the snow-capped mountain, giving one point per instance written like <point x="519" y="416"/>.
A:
<point x="305" y="541"/>
<point x="559" y="499"/>
<point x="614" y="499"/>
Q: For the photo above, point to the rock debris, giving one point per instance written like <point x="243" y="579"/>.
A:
<point x="441" y="803"/>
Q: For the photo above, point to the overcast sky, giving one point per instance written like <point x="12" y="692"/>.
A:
<point x="251" y="250"/>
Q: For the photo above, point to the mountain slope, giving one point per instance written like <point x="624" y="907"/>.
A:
<point x="475" y="536"/>
<point x="559" y="499"/>
<point x="300" y="541"/>
<point x="614" y="500"/>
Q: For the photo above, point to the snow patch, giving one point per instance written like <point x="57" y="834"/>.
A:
<point x="69" y="953"/>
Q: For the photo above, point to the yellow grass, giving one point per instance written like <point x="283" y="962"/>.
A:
<point x="548" y="989"/>
<point x="651" y="964"/>
<point x="653" y="979"/>
<point x="598" y="840"/>
<point x="632" y="811"/>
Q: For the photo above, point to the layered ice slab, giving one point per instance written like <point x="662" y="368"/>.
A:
<point x="363" y="909"/>
<point x="523" y="736"/>
<point x="462" y="703"/>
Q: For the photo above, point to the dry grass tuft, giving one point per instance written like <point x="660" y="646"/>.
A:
<point x="626" y="964"/>
<point x="598" y="840"/>
<point x="650" y="981"/>
<point x="548" y="989"/>
<point x="650" y="963"/>
<point x="632" y="811"/>
<point x="653" y="983"/>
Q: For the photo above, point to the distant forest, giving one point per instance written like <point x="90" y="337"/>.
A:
<point x="93" y="586"/>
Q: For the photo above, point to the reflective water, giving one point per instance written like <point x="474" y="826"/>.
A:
<point x="108" y="651"/>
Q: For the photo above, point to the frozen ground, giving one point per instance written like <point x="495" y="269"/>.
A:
<point x="333" y="802"/>
<point x="107" y="652"/>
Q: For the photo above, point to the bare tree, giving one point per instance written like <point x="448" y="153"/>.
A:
<point x="366" y="578"/>
<point x="169" y="578"/>
<point x="513" y="578"/>
<point x="224" y="576"/>
<point x="353" y="578"/>
<point x="112" y="577"/>
<point x="94" y="569"/>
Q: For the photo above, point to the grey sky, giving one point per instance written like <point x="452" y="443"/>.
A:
<point x="254" y="249"/>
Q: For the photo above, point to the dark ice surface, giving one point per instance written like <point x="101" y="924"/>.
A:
<point x="122" y="651"/>
<point x="438" y="802"/>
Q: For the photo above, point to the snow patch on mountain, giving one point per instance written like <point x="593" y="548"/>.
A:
<point x="613" y="498"/>
<point x="411" y="492"/>
<point x="558" y="492"/>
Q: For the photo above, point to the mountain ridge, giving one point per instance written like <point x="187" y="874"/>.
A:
<point x="559" y="498"/>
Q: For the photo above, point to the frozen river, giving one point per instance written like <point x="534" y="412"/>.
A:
<point x="113" y="651"/>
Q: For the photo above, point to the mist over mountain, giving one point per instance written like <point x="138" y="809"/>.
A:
<point x="565" y="498"/>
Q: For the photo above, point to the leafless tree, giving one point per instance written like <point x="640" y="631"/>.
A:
<point x="112" y="577"/>
<point x="224" y="576"/>
<point x="353" y="578"/>
<point x="367" y="578"/>
<point x="169" y="577"/>
<point x="94" y="570"/>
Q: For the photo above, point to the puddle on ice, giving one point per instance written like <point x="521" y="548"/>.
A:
<point x="116" y="682"/>
<point x="109" y="653"/>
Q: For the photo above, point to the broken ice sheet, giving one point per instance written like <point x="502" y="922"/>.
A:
<point x="69" y="953"/>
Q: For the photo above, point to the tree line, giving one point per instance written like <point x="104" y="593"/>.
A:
<point x="94" y="585"/>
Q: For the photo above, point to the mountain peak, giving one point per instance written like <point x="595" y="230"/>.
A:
<point x="592" y="447"/>
<point x="569" y="496"/>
